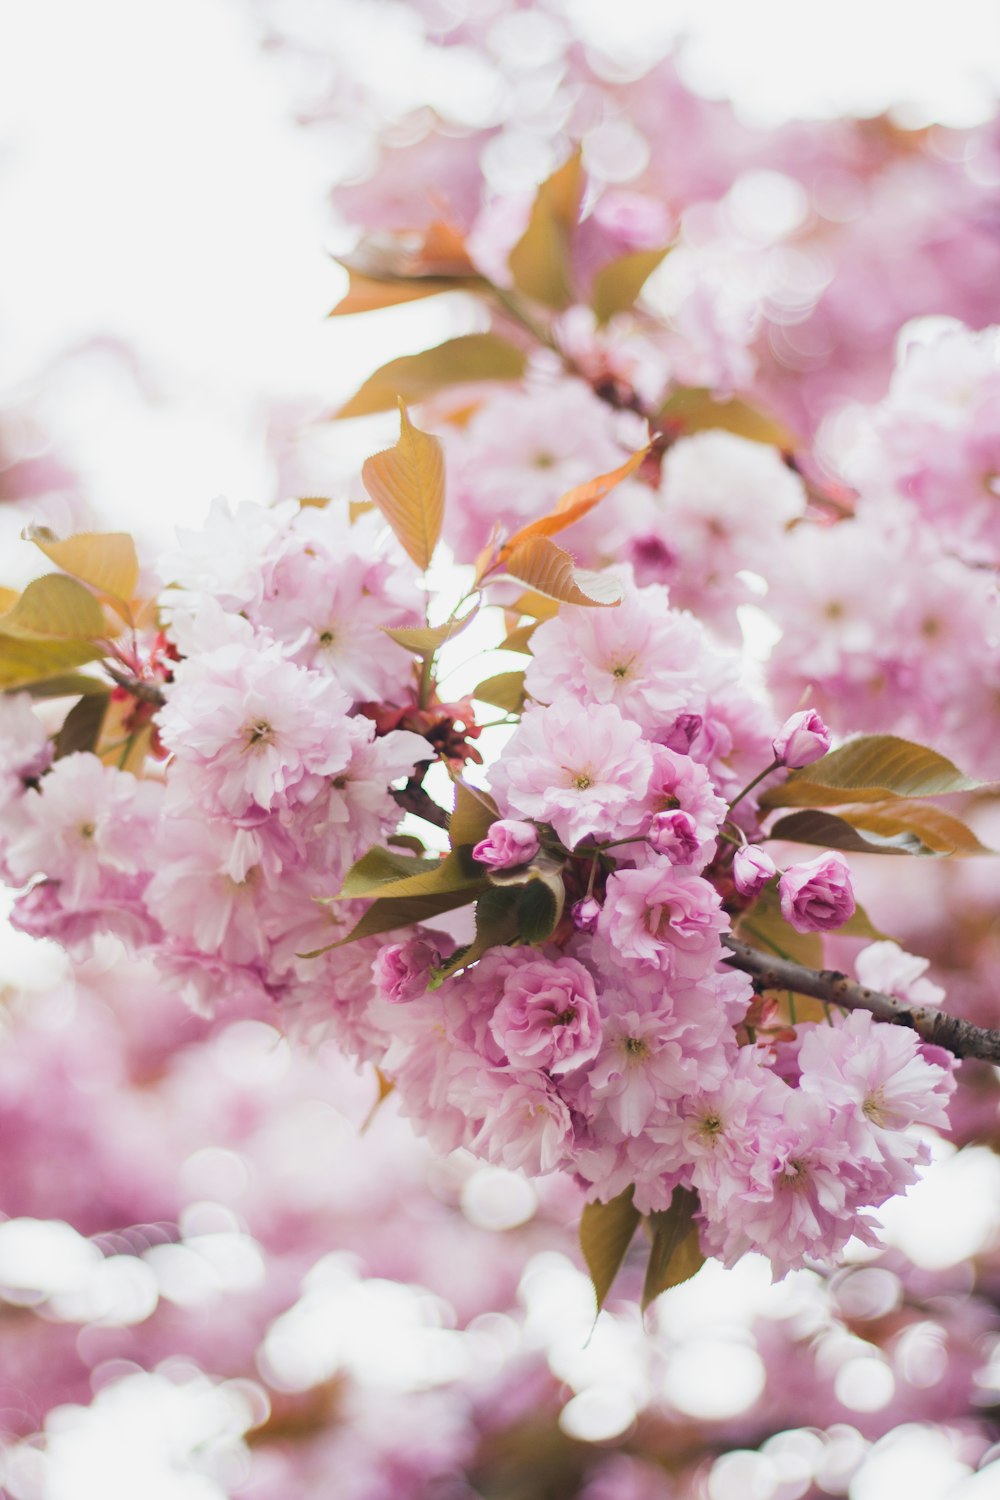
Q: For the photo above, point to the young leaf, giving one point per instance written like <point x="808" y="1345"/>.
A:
<point x="106" y="560"/>
<point x="414" y="377"/>
<point x="424" y="640"/>
<point x="695" y="409"/>
<point x="25" y="663"/>
<point x="618" y="284"/>
<point x="388" y="269"/>
<point x="496" y="924"/>
<point x="475" y="813"/>
<point x="872" y="768"/>
<point x="382" y="873"/>
<point x="505" y="690"/>
<point x="549" y="570"/>
<point x="519" y="640"/>
<point x="380" y="867"/>
<point x="675" y="1254"/>
<point x="81" y="728"/>
<point x="574" y="504"/>
<point x="894" y="827"/>
<point x="540" y="261"/>
<point x="55" y="608"/>
<point x="386" y="915"/>
<point x="606" y="1231"/>
<point x="763" y="925"/>
<point x="407" y="484"/>
<point x="67" y="685"/>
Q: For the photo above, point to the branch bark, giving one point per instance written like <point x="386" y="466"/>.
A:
<point x="414" y="799"/>
<point x="768" y="972"/>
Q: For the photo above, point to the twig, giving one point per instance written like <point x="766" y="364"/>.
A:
<point x="769" y="972"/>
<point x="412" y="798"/>
<point x="146" y="692"/>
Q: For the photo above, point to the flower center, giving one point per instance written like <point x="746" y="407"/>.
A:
<point x="874" y="1107"/>
<point x="636" y="1048"/>
<point x="582" y="781"/>
<point x="260" y="732"/>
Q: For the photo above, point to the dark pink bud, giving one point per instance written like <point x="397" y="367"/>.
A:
<point x="674" y="834"/>
<point x="817" y="896"/>
<point x="509" y="843"/>
<point x="585" y="914"/>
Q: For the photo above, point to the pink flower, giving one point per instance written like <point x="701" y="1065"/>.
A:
<point x="401" y="970"/>
<point x="525" y="1126"/>
<point x="668" y="918"/>
<point x="753" y="867"/>
<point x="817" y="896"/>
<point x="802" y="739"/>
<point x="548" y="1017"/>
<point x="254" y="729"/>
<point x="877" y="1070"/>
<point x="674" y="834"/>
<point x="509" y="843"/>
<point x="584" y="770"/>
<point x="886" y="967"/>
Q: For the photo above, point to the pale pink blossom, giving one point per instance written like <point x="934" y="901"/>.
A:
<point x="663" y="916"/>
<point x="753" y="867"/>
<point x="585" y="771"/>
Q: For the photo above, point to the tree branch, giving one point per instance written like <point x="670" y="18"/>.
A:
<point x="769" y="972"/>
<point x="146" y="692"/>
<point x="412" y="798"/>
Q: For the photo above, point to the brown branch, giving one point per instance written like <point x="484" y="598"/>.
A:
<point x="769" y="972"/>
<point x="146" y="692"/>
<point x="412" y="798"/>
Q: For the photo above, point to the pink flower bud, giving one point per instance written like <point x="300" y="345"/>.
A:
<point x="401" y="970"/>
<point x="753" y="867"/>
<point x="585" y="914"/>
<point x="508" y="843"/>
<point x="802" y="739"/>
<point x="674" y="834"/>
<point x="817" y="896"/>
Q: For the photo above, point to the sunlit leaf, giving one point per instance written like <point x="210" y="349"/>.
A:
<point x="474" y="814"/>
<point x="871" y="768"/>
<point x="540" y="261"/>
<point x="107" y="561"/>
<point x="407" y="484"/>
<point x="696" y="409"/>
<point x="66" y="685"/>
<point x="388" y="269"/>
<point x="55" y="608"/>
<point x="81" y="728"/>
<point x="24" y="663"/>
<point x="520" y="639"/>
<point x="414" y="377"/>
<point x="505" y="690"/>
<point x="536" y="605"/>
<point x="386" y="915"/>
<point x="549" y="570"/>
<point x="618" y="284"/>
<point x="424" y="640"/>
<point x="381" y="867"/>
<point x="575" y="504"/>
<point x="606" y="1231"/>
<point x="395" y="876"/>
<point x="675" y="1254"/>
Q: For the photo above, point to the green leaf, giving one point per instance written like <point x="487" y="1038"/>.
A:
<point x="81" y="729"/>
<point x="618" y="284"/>
<point x="55" y="608"/>
<point x="25" y="663"/>
<point x="540" y="261"/>
<point x="872" y="768"/>
<point x="68" y="685"/>
<point x="407" y="484"/>
<point x="539" y="909"/>
<point x="460" y="361"/>
<point x="549" y="570"/>
<point x="474" y="814"/>
<point x="496" y="925"/>
<point x="505" y="690"/>
<point x="106" y="560"/>
<point x="424" y="640"/>
<point x="676" y="1253"/>
<point x="896" y="827"/>
<point x="380" y="867"/>
<point x="606" y="1231"/>
<point x="387" y="915"/>
<point x="695" y="409"/>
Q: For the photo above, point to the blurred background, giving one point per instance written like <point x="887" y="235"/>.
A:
<point x="217" y="1278"/>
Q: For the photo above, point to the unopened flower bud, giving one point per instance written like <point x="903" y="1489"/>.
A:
<point x="401" y="970"/>
<point x="801" y="739"/>
<point x="674" y="834"/>
<point x="585" y="914"/>
<point x="509" y="843"/>
<point x="817" y="896"/>
<point x="753" y="867"/>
